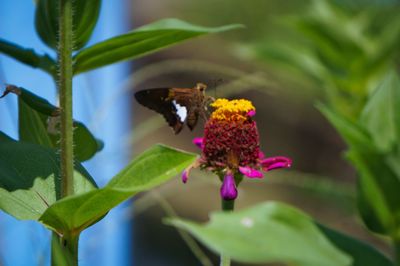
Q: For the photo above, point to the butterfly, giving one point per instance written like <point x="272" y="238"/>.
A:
<point x="177" y="105"/>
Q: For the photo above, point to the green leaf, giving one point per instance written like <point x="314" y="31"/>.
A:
<point x="362" y="253"/>
<point x="353" y="134"/>
<point x="30" y="179"/>
<point x="142" y="41"/>
<point x="381" y="114"/>
<point x="334" y="45"/>
<point x="4" y="137"/>
<point x="33" y="115"/>
<point x="392" y="159"/>
<point x="32" y="126"/>
<point x="152" y="168"/>
<point x="28" y="56"/>
<point x="378" y="185"/>
<point x="38" y="122"/>
<point x="268" y="232"/>
<point x="293" y="58"/>
<point x="86" y="14"/>
<point x="85" y="17"/>
<point x="86" y="145"/>
<point x="46" y="22"/>
<point x="378" y="197"/>
<point x="34" y="101"/>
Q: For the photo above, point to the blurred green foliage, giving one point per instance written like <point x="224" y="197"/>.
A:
<point x="349" y="53"/>
<point x="373" y="142"/>
<point x="342" y="50"/>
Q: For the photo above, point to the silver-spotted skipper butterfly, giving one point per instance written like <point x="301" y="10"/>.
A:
<point x="177" y="105"/>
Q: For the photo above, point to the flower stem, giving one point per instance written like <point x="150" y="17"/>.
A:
<point x="227" y="206"/>
<point x="65" y="91"/>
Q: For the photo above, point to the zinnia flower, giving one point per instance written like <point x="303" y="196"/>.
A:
<point x="230" y="147"/>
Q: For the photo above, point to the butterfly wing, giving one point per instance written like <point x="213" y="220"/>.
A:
<point x="160" y="100"/>
<point x="192" y="100"/>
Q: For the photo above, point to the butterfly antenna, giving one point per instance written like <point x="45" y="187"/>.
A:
<point x="216" y="83"/>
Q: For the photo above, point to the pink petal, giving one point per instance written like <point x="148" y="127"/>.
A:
<point x="198" y="142"/>
<point x="185" y="176"/>
<point x="272" y="163"/>
<point x="250" y="172"/>
<point x="186" y="172"/>
<point x="251" y="113"/>
<point x="261" y="155"/>
<point x="228" y="189"/>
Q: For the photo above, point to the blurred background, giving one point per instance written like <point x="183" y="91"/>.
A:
<point x="290" y="55"/>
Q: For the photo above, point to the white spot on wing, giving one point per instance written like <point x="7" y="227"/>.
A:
<point x="247" y="222"/>
<point x="180" y="110"/>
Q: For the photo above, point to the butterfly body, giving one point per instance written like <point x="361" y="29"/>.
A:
<point x="179" y="106"/>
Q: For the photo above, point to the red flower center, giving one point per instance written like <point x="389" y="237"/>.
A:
<point x="231" y="143"/>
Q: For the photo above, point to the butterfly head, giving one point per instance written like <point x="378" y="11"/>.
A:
<point x="201" y="87"/>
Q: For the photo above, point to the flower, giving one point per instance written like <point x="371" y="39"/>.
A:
<point x="230" y="147"/>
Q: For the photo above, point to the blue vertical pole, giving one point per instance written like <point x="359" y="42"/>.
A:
<point x="21" y="242"/>
<point x="108" y="242"/>
<point x="111" y="236"/>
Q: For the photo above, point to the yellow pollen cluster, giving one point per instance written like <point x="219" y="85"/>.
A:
<point x="234" y="110"/>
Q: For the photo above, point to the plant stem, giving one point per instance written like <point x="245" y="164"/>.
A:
<point x="227" y="206"/>
<point x="396" y="245"/>
<point x="65" y="91"/>
<point x="64" y="249"/>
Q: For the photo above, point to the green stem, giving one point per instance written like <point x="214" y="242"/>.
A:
<point x="396" y="245"/>
<point x="64" y="250"/>
<point x="227" y="206"/>
<point x="65" y="90"/>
